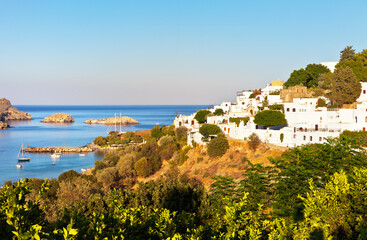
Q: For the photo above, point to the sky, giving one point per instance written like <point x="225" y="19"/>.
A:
<point x="89" y="52"/>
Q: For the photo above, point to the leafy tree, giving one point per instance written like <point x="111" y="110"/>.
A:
<point x="141" y="167"/>
<point x="165" y="141"/>
<point x="209" y="129"/>
<point x="358" y="64"/>
<point x="321" y="102"/>
<point x="100" y="141"/>
<point x="269" y="118"/>
<point x="254" y="141"/>
<point x="325" y="81"/>
<point x="125" y="165"/>
<point x="218" y="146"/>
<point x="300" y="77"/>
<point x="68" y="175"/>
<point x="316" y="70"/>
<point x="360" y="136"/>
<point x="157" y="132"/>
<point x="108" y="177"/>
<point x="181" y="133"/>
<point x="218" y="112"/>
<point x="238" y="120"/>
<point x="201" y="115"/>
<point x="348" y="53"/>
<point x="346" y="88"/>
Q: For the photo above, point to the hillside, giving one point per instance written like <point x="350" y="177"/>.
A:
<point x="201" y="167"/>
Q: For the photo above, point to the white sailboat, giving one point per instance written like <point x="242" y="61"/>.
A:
<point x="23" y="158"/>
<point x="56" y="155"/>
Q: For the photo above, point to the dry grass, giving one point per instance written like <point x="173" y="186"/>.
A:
<point x="231" y="164"/>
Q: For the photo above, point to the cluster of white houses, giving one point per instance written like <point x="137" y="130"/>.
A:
<point x="307" y="123"/>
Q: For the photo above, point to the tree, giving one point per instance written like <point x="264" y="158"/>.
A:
<point x="165" y="141"/>
<point x="346" y="88"/>
<point x="201" y="115"/>
<point x="358" y="64"/>
<point x="315" y="71"/>
<point x="156" y="132"/>
<point x="254" y="141"/>
<point x="238" y="120"/>
<point x="100" y="141"/>
<point x="181" y="133"/>
<point x="209" y="129"/>
<point x="141" y="167"/>
<point x="108" y="177"/>
<point x="321" y="102"/>
<point x="269" y="118"/>
<point x="348" y="53"/>
<point x="218" y="112"/>
<point x="299" y="77"/>
<point x="218" y="146"/>
<point x="325" y="81"/>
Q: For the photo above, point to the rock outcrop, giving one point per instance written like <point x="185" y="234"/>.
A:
<point x="3" y="125"/>
<point x="8" y="112"/>
<point x="113" y="120"/>
<point x="59" y="118"/>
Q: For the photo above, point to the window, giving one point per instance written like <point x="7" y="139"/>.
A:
<point x="294" y="110"/>
<point x="320" y="139"/>
<point x="310" y="138"/>
<point x="364" y="91"/>
<point x="304" y="138"/>
<point x="366" y="119"/>
<point x="288" y="109"/>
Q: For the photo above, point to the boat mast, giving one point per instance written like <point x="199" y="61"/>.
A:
<point x="115" y="122"/>
<point x="120" y="122"/>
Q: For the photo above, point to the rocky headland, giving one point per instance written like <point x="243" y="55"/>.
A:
<point x="8" y="112"/>
<point x="113" y="120"/>
<point x="59" y="118"/>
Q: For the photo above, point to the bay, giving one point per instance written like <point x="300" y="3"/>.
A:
<point x="37" y="134"/>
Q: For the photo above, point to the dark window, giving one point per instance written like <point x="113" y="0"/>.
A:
<point x="288" y="109"/>
<point x="294" y="110"/>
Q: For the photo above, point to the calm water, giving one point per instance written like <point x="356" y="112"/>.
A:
<point x="37" y="134"/>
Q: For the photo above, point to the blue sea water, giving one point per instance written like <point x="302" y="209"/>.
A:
<point x="37" y="134"/>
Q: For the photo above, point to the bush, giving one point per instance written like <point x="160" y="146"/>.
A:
<point x="141" y="167"/>
<point x="218" y="112"/>
<point x="254" y="141"/>
<point x="156" y="132"/>
<point x="238" y="120"/>
<point x="321" y="103"/>
<point x="279" y="107"/>
<point x="100" y="141"/>
<point x="181" y="133"/>
<point x="125" y="165"/>
<point x="68" y="175"/>
<point x="269" y="118"/>
<point x="218" y="146"/>
<point x="165" y="140"/>
<point x="108" y="177"/>
<point x="281" y="137"/>
<point x="209" y="129"/>
<point x="201" y="115"/>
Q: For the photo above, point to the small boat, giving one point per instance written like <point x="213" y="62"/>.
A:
<point x="81" y="154"/>
<point x="56" y="155"/>
<point x="19" y="166"/>
<point x="53" y="163"/>
<point x="23" y="158"/>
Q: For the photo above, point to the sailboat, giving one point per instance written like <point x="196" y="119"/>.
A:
<point x="56" y="155"/>
<point x="22" y="159"/>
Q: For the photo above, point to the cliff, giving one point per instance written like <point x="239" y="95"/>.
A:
<point x="113" y="120"/>
<point x="59" y="118"/>
<point x="8" y="112"/>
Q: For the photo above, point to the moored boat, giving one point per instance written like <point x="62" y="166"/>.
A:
<point x="22" y="158"/>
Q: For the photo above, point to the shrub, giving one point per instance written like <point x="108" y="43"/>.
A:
<point x="218" y="112"/>
<point x="181" y="133"/>
<point x="100" y="141"/>
<point x="68" y="175"/>
<point x="199" y="159"/>
<point x="201" y="115"/>
<point x="141" y="167"/>
<point x="108" y="177"/>
<point x="254" y="141"/>
<point x="209" y="129"/>
<point x="125" y="165"/>
<point x="269" y="118"/>
<point x="218" y="146"/>
<point x="238" y="120"/>
<point x="156" y="132"/>
<point x="281" y="137"/>
<point x="321" y="103"/>
<point x="279" y="107"/>
<point x="165" y="140"/>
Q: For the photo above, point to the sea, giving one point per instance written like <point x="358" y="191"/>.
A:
<point x="34" y="133"/>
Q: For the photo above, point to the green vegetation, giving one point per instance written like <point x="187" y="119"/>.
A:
<point x="269" y="118"/>
<point x="209" y="129"/>
<point x="345" y="88"/>
<point x="321" y="103"/>
<point x="218" y="112"/>
<point x="115" y="138"/>
<point x="316" y="191"/>
<point x="279" y="107"/>
<point x="238" y="120"/>
<point x="308" y="77"/>
<point x="218" y="146"/>
<point x="255" y="93"/>
<point x="254" y="141"/>
<point x="201" y="115"/>
<point x="356" y="61"/>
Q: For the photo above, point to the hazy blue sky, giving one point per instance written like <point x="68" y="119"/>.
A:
<point x="165" y="52"/>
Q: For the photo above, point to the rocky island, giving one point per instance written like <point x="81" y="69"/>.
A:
<point x="59" y="118"/>
<point x="113" y="120"/>
<point x="8" y="112"/>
